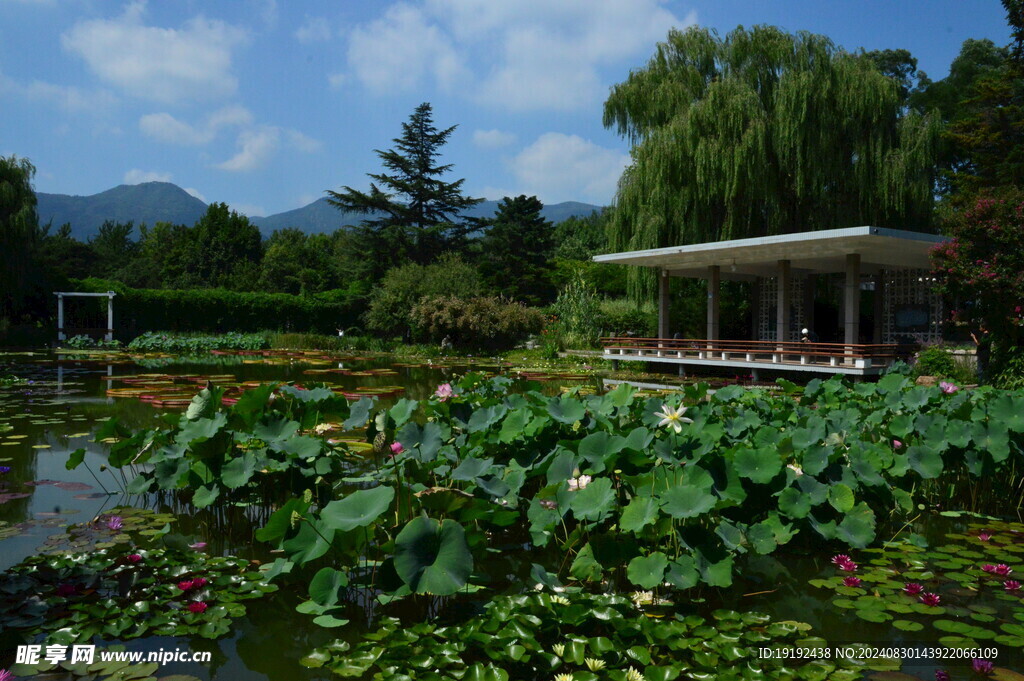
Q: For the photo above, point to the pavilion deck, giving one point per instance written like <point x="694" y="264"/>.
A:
<point x="832" y="358"/>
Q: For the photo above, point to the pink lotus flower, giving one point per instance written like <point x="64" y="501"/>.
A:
<point x="443" y="392"/>
<point x="896" y="444"/>
<point x="913" y="588"/>
<point x="1002" y="570"/>
<point x="198" y="546"/>
<point x="948" y="388"/>
<point x="115" y="522"/>
<point x="1011" y="585"/>
<point x="851" y="581"/>
<point x="134" y="558"/>
<point x="988" y="567"/>
<point x="984" y="536"/>
<point x="396" y="448"/>
<point x="198" y="607"/>
<point x="941" y="675"/>
<point x="981" y="666"/>
<point x="66" y="590"/>
<point x="930" y="599"/>
<point x="199" y="582"/>
<point x="185" y="586"/>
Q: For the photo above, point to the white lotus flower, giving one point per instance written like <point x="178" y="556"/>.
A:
<point x="673" y="417"/>
<point x="579" y="483"/>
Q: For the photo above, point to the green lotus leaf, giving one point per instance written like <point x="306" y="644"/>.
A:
<point x="793" y="503"/>
<point x="595" y="501"/>
<point x="840" y="497"/>
<point x="566" y="409"/>
<point x="640" y="512"/>
<point x="687" y="501"/>
<point x="358" y="509"/>
<point x="433" y="557"/>
<point x="925" y="461"/>
<point x="647" y="571"/>
<point x="907" y="625"/>
<point x="759" y="465"/>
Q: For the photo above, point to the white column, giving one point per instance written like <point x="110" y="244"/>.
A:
<point x="879" y="307"/>
<point x="782" y="307"/>
<point x="60" y="317"/>
<point x="851" y="299"/>
<point x="714" y="289"/>
<point x="110" y="317"/>
<point x="663" y="305"/>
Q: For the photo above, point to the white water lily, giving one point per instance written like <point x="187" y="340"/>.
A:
<point x="634" y="675"/>
<point x="559" y="649"/>
<point x="673" y="417"/>
<point x="642" y="597"/>
<point x="561" y="600"/>
<point x="579" y="483"/>
<point x="563" y="677"/>
<point x="594" y="665"/>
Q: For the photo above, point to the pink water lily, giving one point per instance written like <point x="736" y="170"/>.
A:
<point x="941" y="675"/>
<point x="930" y="599"/>
<point x="198" y="607"/>
<point x="913" y="588"/>
<point x="6" y="675"/>
<point x="444" y="391"/>
<point x="841" y="558"/>
<point x="1003" y="569"/>
<point x="981" y="666"/>
<point x="988" y="567"/>
<point x="185" y="586"/>
<point x="1011" y="585"/>
<point x="135" y="558"/>
<point x="984" y="536"/>
<point x="115" y="522"/>
<point x="851" y="581"/>
<point x="199" y="582"/>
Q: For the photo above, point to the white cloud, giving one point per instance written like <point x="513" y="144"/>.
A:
<point x="196" y="193"/>
<point x="559" y="167"/>
<point x="166" y="128"/>
<point x="313" y="30"/>
<point x="67" y="97"/>
<point x="336" y="80"/>
<point x="492" y="139"/>
<point x="257" y="145"/>
<point x="136" y="176"/>
<point x="161" y="64"/>
<point x="402" y="50"/>
<point x="523" y="55"/>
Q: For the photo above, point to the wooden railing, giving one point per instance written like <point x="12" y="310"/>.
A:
<point x="775" y="352"/>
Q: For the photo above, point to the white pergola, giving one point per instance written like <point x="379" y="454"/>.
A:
<point x="109" y="295"/>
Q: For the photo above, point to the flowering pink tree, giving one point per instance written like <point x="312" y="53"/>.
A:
<point x="982" y="269"/>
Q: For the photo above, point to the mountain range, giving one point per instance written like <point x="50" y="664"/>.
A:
<point x="152" y="202"/>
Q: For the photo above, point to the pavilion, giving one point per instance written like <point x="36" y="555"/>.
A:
<point x="787" y="273"/>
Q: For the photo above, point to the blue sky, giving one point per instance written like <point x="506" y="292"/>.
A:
<point x="264" y="104"/>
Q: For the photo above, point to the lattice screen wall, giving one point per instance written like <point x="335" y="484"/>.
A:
<point x="906" y="290"/>
<point x="767" y="307"/>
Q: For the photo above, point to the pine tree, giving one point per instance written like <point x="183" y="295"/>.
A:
<point x="764" y="132"/>
<point x="409" y="196"/>
<point x="516" y="249"/>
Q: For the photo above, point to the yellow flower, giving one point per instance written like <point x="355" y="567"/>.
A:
<point x="634" y="675"/>
<point x="673" y="417"/>
<point x="563" y="677"/>
<point x="594" y="665"/>
<point x="559" y="649"/>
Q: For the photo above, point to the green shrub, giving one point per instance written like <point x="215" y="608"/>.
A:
<point x="169" y="342"/>
<point x="218" y="310"/>
<point x="577" y="314"/>
<point x="621" y="316"/>
<point x="939" y="362"/>
<point x="483" y="322"/>
<point x="1010" y="374"/>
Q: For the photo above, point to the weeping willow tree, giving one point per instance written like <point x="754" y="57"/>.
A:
<point x="763" y="132"/>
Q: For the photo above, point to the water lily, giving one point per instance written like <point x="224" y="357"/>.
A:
<point x="115" y="522"/>
<point x="1003" y="569"/>
<point x="444" y="391"/>
<point x="5" y="469"/>
<point x="199" y="582"/>
<point x="633" y="675"/>
<point x="930" y="599"/>
<point x="198" y="546"/>
<point x="984" y="536"/>
<point x="851" y="581"/>
<point x="134" y="558"/>
<point x="185" y="586"/>
<point x="988" y="567"/>
<point x="396" y="448"/>
<point x="1011" y="585"/>
<point x="642" y="597"/>
<point x="948" y="388"/>
<point x="559" y="649"/>
<point x="913" y="588"/>
<point x="941" y="675"/>
<point x="673" y="417"/>
<point x="841" y="558"/>
<point x="6" y="675"/>
<point x="579" y="483"/>
<point x="981" y="666"/>
<point x="844" y="563"/>
<point x="563" y="677"/>
<point x="594" y="665"/>
<point x="198" y="607"/>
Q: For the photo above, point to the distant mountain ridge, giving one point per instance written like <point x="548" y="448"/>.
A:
<point x="152" y="202"/>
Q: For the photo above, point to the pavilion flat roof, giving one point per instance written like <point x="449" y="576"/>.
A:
<point x="821" y="252"/>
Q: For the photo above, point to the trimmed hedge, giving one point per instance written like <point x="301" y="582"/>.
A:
<point x="220" y="311"/>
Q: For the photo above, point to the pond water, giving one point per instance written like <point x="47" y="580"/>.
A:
<point x="66" y="398"/>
